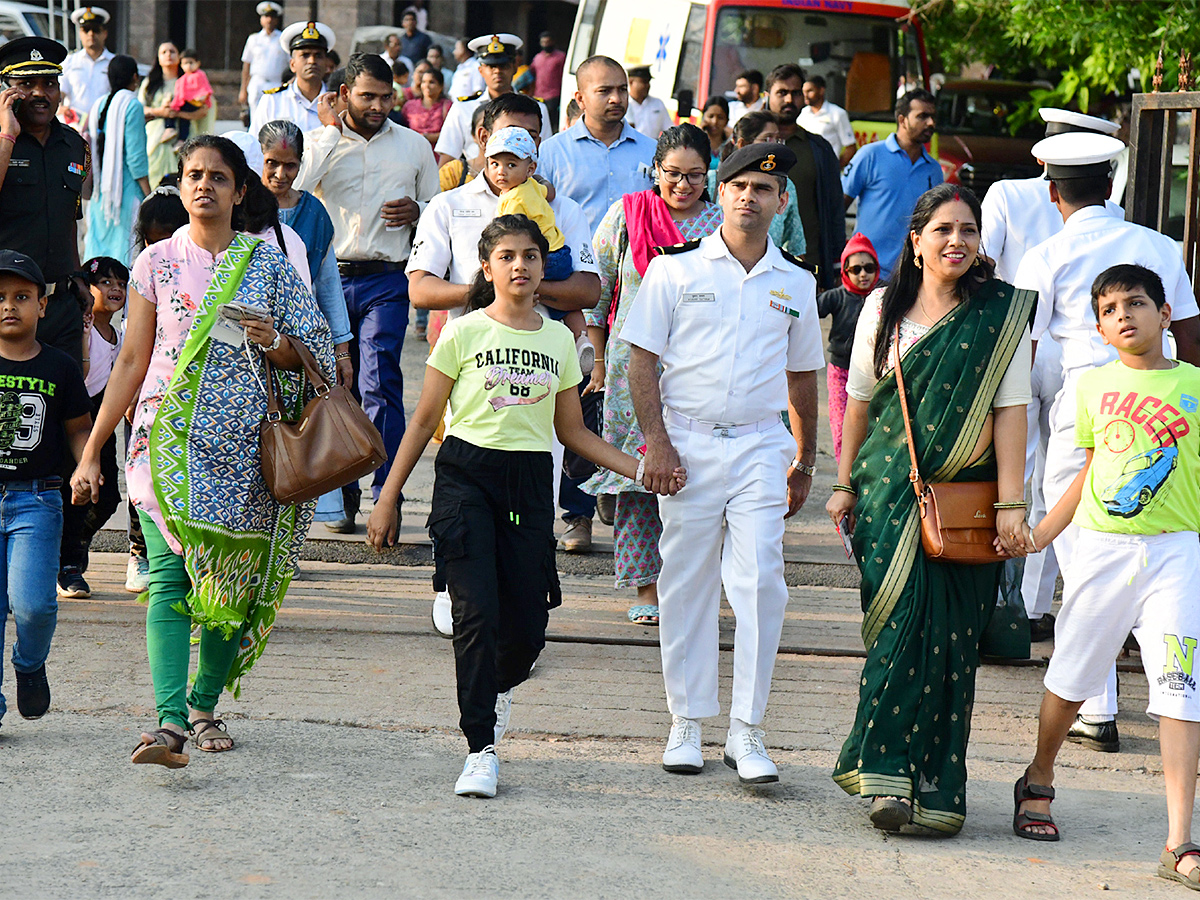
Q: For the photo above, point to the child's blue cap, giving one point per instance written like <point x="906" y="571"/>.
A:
<point x="512" y="140"/>
<point x="20" y="264"/>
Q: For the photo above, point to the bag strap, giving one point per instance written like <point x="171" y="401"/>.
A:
<point x="311" y="370"/>
<point x="914" y="474"/>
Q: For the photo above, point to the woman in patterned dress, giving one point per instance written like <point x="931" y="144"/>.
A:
<point x="220" y="564"/>
<point x="676" y="210"/>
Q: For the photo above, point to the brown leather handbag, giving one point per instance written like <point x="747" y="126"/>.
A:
<point x="958" y="519"/>
<point x="332" y="443"/>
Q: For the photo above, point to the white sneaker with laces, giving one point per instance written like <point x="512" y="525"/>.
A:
<point x="480" y="774"/>
<point x="443" y="616"/>
<point x="137" y="575"/>
<point x="746" y="752"/>
<point x="683" y="754"/>
<point x="503" y="712"/>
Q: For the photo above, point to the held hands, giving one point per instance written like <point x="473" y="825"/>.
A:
<point x="1014" y="538"/>
<point x="397" y="213"/>
<point x="840" y="506"/>
<point x="662" y="471"/>
<point x="85" y="482"/>
<point x="382" y="526"/>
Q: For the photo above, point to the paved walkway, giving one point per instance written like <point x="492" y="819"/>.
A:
<point x="347" y="753"/>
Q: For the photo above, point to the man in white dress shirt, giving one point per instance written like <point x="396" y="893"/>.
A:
<point x="1061" y="269"/>
<point x="375" y="178"/>
<point x="263" y="59"/>
<point x="85" y="72"/>
<point x="830" y="121"/>
<point x="648" y="115"/>
<point x="733" y="322"/>
<point x="748" y="95"/>
<point x="391" y="53"/>
<point x="497" y="56"/>
<point x="466" y="79"/>
<point x="307" y="44"/>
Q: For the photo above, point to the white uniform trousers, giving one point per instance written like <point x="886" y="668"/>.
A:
<point x="1064" y="460"/>
<point x="725" y="526"/>
<point x="1041" y="569"/>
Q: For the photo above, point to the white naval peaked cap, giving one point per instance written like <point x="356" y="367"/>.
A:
<point x="496" y="45"/>
<point x="307" y="34"/>
<point x="268" y="8"/>
<point x="1077" y="154"/>
<point x="1063" y="121"/>
<point x="90" y="15"/>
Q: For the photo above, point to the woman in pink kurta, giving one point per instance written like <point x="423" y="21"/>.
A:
<point x="427" y="114"/>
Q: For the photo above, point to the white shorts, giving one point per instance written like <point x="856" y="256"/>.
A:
<point x="1117" y="583"/>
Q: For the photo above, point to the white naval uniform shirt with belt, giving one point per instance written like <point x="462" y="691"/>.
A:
<point x="288" y="104"/>
<point x="456" y="139"/>
<point x="268" y="63"/>
<point x="85" y="80"/>
<point x="726" y="338"/>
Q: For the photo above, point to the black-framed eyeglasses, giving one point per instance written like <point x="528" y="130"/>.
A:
<point x="868" y="268"/>
<point x="672" y="177"/>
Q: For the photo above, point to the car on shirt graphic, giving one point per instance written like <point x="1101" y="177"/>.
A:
<point x="1140" y="480"/>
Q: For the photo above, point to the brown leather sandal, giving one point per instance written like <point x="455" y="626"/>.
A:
<point x="165" y="748"/>
<point x="201" y="729"/>
<point x="1168" y="866"/>
<point x="1022" y="821"/>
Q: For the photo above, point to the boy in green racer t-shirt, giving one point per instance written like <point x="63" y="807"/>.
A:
<point x="1136" y="505"/>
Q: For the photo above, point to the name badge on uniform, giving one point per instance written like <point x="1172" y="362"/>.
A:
<point x="703" y="297"/>
<point x="775" y="304"/>
<point x="18" y="163"/>
<point x="467" y="213"/>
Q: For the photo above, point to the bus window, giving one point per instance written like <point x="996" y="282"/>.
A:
<point x="864" y="59"/>
<point x="687" y="75"/>
<point x="587" y="32"/>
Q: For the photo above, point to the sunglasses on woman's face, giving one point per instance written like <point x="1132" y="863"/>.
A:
<point x="869" y="268"/>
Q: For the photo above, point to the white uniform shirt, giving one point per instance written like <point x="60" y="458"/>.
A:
<point x="401" y="58"/>
<point x="1062" y="269"/>
<point x="1018" y="214"/>
<point x="725" y="336"/>
<point x="268" y="61"/>
<point x="650" y="117"/>
<point x="353" y="177"/>
<point x="85" y="80"/>
<point x="737" y="108"/>
<point x="287" y="104"/>
<point x="467" y="80"/>
<point x="830" y="122"/>
<point x="456" y="139"/>
<point x="447" y="241"/>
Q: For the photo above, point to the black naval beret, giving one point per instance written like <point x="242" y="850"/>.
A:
<point x="22" y="266"/>
<point x="31" y="56"/>
<point x="774" y="159"/>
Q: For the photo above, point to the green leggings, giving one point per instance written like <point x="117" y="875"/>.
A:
<point x="169" y="638"/>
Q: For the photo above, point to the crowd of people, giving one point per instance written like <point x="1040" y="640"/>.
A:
<point x="623" y="314"/>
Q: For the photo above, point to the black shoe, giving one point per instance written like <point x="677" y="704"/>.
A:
<point x="33" y="693"/>
<point x="606" y="508"/>
<point x="72" y="585"/>
<point x="1041" y="629"/>
<point x="1102" y="737"/>
<point x="351" y="501"/>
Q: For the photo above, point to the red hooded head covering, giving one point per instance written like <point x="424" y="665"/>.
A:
<point x="860" y="243"/>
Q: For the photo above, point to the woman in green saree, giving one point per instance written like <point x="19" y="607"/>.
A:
<point x="964" y="340"/>
<point x="222" y="552"/>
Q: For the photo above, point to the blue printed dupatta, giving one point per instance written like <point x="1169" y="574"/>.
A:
<point x="240" y="547"/>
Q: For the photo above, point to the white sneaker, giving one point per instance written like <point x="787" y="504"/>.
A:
<point x="587" y="355"/>
<point x="683" y="747"/>
<point x="480" y="773"/>
<point x="443" y="616"/>
<point x="137" y="575"/>
<point x="746" y="752"/>
<point x="503" y="713"/>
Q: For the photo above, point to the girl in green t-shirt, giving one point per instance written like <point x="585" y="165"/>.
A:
<point x="510" y="377"/>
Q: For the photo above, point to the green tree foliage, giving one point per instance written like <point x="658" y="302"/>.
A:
<point x="1088" y="45"/>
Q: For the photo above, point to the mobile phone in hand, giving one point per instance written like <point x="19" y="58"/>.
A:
<point x="843" y="530"/>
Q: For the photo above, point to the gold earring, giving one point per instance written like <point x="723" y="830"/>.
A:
<point x="917" y="261"/>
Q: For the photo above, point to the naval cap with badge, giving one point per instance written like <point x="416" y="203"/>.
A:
<point x="14" y="263"/>
<point x="772" y="159"/>
<point x="301" y="35"/>
<point x="496" y="49"/>
<point x="31" y="57"/>
<point x="1065" y="121"/>
<point x="1077" y="154"/>
<point x="91" y="18"/>
<point x="267" y="8"/>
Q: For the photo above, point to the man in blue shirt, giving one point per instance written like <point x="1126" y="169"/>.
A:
<point x="601" y="157"/>
<point x="888" y="177"/>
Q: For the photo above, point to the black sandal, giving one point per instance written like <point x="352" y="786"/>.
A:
<point x="1023" y="791"/>
<point x="1168" y="866"/>
<point x="891" y="813"/>
<point x="165" y="749"/>
<point x="201" y="727"/>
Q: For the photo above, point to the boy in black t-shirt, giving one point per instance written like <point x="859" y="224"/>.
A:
<point x="43" y="404"/>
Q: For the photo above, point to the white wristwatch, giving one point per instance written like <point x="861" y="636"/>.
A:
<point x="274" y="345"/>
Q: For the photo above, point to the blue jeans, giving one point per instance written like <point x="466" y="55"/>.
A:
<point x="378" y="308"/>
<point x="30" y="531"/>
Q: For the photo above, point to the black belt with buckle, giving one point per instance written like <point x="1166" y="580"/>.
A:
<point x="351" y="268"/>
<point x="36" y="486"/>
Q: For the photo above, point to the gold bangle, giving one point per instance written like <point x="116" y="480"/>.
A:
<point x="1015" y="504"/>
<point x="845" y="488"/>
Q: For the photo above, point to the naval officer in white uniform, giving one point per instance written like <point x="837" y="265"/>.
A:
<point x="733" y="322"/>
<point x="1018" y="214"/>
<point x="263" y="59"/>
<point x="1061" y="269"/>
<point x="307" y="44"/>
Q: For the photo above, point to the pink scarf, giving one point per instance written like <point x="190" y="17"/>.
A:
<point x="649" y="224"/>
